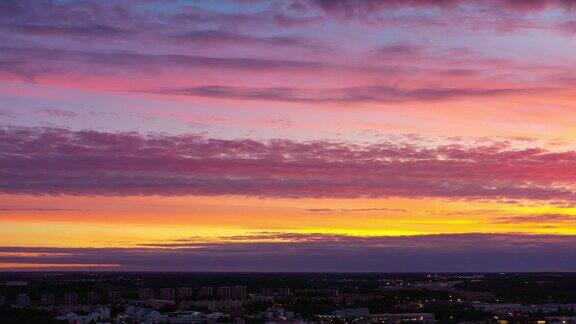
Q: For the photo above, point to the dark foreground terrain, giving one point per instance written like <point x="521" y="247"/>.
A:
<point x="90" y="297"/>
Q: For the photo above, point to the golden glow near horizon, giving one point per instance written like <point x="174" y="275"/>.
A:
<point x="131" y="221"/>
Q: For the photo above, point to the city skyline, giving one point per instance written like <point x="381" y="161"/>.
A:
<point x="289" y="136"/>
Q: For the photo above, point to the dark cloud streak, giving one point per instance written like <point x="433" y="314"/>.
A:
<point x="329" y="253"/>
<point x="381" y="94"/>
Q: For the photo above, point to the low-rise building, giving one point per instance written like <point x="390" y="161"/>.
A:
<point x="145" y="294"/>
<point x="184" y="293"/>
<point x="213" y="305"/>
<point x="140" y="314"/>
<point x="71" y="298"/>
<point x="185" y="317"/>
<point x="99" y="315"/>
<point x="205" y="292"/>
<point x="413" y="318"/>
<point x="351" y="313"/>
<point x="114" y="297"/>
<point x="167" y="294"/>
<point x="23" y="300"/>
<point x="223" y="293"/>
<point x="93" y="297"/>
<point x="238" y="292"/>
<point x="48" y="299"/>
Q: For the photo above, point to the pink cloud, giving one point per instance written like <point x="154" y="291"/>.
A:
<point x="350" y="8"/>
<point x="561" y="219"/>
<point x="58" y="161"/>
<point x="383" y="94"/>
<point x="568" y="27"/>
<point x="121" y="46"/>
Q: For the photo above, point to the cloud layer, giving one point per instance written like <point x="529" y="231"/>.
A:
<point x="40" y="161"/>
<point x="203" y="51"/>
<point x="321" y="252"/>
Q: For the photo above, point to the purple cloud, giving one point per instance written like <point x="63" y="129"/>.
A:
<point x="27" y="61"/>
<point x="541" y="218"/>
<point x="41" y="161"/>
<point x="219" y="37"/>
<point x="328" y="253"/>
<point x="354" y="8"/>
<point x="568" y="27"/>
<point x="54" y="112"/>
<point x="383" y="94"/>
<point x="64" y="30"/>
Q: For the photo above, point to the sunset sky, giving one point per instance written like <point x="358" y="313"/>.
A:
<point x="288" y="135"/>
